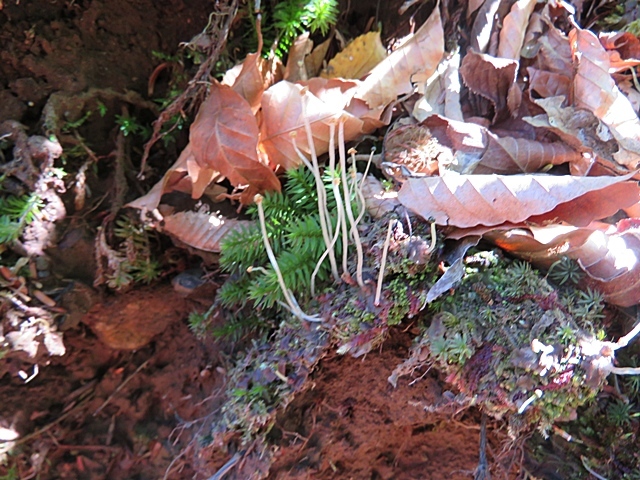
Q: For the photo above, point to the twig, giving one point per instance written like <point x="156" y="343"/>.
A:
<point x="482" y="472"/>
<point x="383" y="264"/>
<point x="120" y="387"/>
<point x="590" y="470"/>
<point x="49" y="426"/>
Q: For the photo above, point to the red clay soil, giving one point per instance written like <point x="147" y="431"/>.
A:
<point x="352" y="424"/>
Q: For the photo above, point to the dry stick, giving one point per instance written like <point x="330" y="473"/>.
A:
<point x="325" y="220"/>
<point x="121" y="386"/>
<point x="49" y="426"/>
<point x="200" y="81"/>
<point x="621" y="343"/>
<point x="347" y="201"/>
<point x="288" y="295"/>
<point x="342" y="223"/>
<point x="383" y="264"/>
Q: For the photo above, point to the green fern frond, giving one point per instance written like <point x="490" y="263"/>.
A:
<point x="300" y="188"/>
<point x="16" y="213"/>
<point x="305" y="236"/>
<point x="296" y="270"/>
<point x="242" y="249"/>
<point x="234" y="293"/>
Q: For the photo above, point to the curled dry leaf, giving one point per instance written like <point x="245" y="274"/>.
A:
<point x="548" y="84"/>
<point x="595" y="90"/>
<point x="514" y="27"/>
<point x="477" y="147"/>
<point x="610" y="259"/>
<point x="224" y="138"/>
<point x="358" y="57"/>
<point x="248" y="79"/>
<point x="282" y="118"/>
<point x="578" y="128"/>
<point x="200" y="230"/>
<point x="470" y="200"/>
<point x="623" y="49"/>
<point x="414" y="61"/>
<point x="175" y="179"/>
<point x="491" y="78"/>
<point x="296" y="69"/>
<point x="378" y="200"/>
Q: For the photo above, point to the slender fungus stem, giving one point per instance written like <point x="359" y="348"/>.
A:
<point x="383" y="264"/>
<point x="342" y="222"/>
<point x="347" y="202"/>
<point x="327" y="251"/>
<point x="288" y="295"/>
<point x="323" y="213"/>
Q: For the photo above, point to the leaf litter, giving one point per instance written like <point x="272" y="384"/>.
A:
<point x="249" y="129"/>
<point x="544" y="98"/>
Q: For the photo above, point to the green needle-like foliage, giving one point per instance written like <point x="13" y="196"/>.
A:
<point x="16" y="213"/>
<point x="293" y="227"/>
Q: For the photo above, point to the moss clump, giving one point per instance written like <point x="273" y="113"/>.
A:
<point x="515" y="345"/>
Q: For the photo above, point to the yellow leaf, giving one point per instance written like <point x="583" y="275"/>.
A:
<point x="358" y="58"/>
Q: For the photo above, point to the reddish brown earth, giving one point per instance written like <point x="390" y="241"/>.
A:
<point x="99" y="412"/>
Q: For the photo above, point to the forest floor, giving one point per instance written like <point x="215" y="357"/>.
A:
<point x="105" y="410"/>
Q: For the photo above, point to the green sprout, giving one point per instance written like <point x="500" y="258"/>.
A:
<point x="16" y="213"/>
<point x="619" y="413"/>
<point x="565" y="270"/>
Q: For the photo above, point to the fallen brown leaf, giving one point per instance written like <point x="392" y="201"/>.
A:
<point x="609" y="258"/>
<point x="200" y="230"/>
<point x="357" y="58"/>
<point x="514" y="27"/>
<point x="414" y="61"/>
<point x="283" y="120"/>
<point x="596" y="91"/>
<point x="470" y="200"/>
<point x="224" y="138"/>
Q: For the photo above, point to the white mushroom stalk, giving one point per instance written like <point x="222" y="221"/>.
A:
<point x="383" y="264"/>
<point x="292" y="303"/>
<point x="325" y="220"/>
<point x="347" y="201"/>
<point x="340" y="206"/>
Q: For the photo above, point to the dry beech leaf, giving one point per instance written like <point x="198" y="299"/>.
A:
<point x="443" y="85"/>
<point x="378" y="200"/>
<point x="483" y="25"/>
<point x="609" y="258"/>
<point x="200" y="230"/>
<point x="548" y="84"/>
<point x="296" y="70"/>
<point x="623" y="49"/>
<point x="595" y="90"/>
<point x="492" y="154"/>
<point x="357" y="58"/>
<point x="470" y="200"/>
<point x="414" y="61"/>
<point x="554" y="54"/>
<point x="491" y="78"/>
<point x="282" y="119"/>
<point x="175" y="179"/>
<point x="578" y="128"/>
<point x="248" y="79"/>
<point x="223" y="138"/>
<point x="313" y="62"/>
<point x="514" y="27"/>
